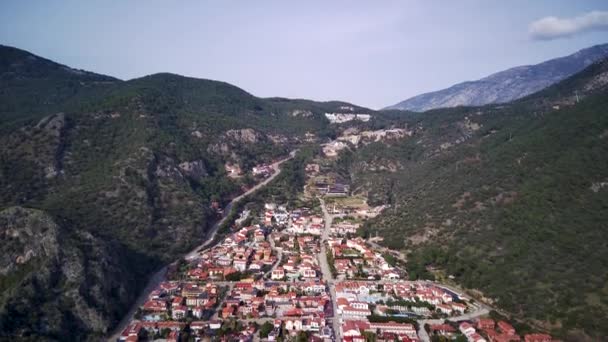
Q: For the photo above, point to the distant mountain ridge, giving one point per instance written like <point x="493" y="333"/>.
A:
<point x="507" y="85"/>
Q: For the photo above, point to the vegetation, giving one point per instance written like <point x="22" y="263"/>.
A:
<point x="265" y="329"/>
<point x="507" y="199"/>
<point x="132" y="167"/>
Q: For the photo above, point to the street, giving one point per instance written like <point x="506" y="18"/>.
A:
<point x="327" y="271"/>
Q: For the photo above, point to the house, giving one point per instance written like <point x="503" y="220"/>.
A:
<point x="442" y="329"/>
<point x="466" y="329"/>
<point x="170" y="288"/>
<point x="179" y="312"/>
<point x="156" y="327"/>
<point x="506" y="328"/>
<point x="348" y="312"/>
<point x="293" y="324"/>
<point x="192" y="290"/>
<point x="537" y="338"/>
<point x="262" y="170"/>
<point x="396" y="328"/>
<point x="277" y="274"/>
<point x="309" y="273"/>
<point x="132" y="330"/>
<point x="351" y="328"/>
<point x="475" y="337"/>
<point x="444" y="308"/>
<point x="240" y="265"/>
<point x="177" y="301"/>
<point x="155" y="306"/>
<point x="256" y="266"/>
<point x="458" y="307"/>
<point x="200" y="300"/>
<point x="337" y="190"/>
<point x="198" y="326"/>
<point x="485" y="324"/>
<point x="359" y="305"/>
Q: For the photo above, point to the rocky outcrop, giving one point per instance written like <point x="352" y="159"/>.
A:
<point x="26" y="234"/>
<point x="53" y="124"/>
<point x="194" y="169"/>
<point x="53" y="278"/>
<point x="246" y="135"/>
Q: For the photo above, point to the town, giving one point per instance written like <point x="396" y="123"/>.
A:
<point x="303" y="274"/>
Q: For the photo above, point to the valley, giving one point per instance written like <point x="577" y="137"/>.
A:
<point x="291" y="271"/>
<point x="175" y="208"/>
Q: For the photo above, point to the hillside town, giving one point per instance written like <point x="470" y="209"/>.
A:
<point x="303" y="274"/>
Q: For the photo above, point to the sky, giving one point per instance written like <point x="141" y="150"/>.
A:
<point x="371" y="53"/>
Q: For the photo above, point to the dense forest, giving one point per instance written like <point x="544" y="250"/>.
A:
<point x="507" y="199"/>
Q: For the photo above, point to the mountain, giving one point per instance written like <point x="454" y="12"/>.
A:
<point x="508" y="85"/>
<point x="510" y="201"/>
<point x="104" y="181"/>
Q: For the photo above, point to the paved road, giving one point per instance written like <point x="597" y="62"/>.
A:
<point x="324" y="237"/>
<point x="279" y="257"/>
<point x="160" y="276"/>
<point x="215" y="227"/>
<point x="327" y="271"/>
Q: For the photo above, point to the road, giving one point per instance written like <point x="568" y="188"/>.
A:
<point x="209" y="237"/>
<point x="327" y="271"/>
<point x="279" y="257"/>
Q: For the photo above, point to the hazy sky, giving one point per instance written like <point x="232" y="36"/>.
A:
<point x="372" y="53"/>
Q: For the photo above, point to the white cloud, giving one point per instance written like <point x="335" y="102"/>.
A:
<point x="548" y="28"/>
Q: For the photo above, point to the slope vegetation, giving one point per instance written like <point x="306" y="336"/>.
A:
<point x="511" y="200"/>
<point x="125" y="174"/>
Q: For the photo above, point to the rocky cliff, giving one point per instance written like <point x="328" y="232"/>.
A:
<point x="54" y="280"/>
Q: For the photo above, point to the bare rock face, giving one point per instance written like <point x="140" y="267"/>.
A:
<point x="26" y="234"/>
<point x="53" y="277"/>
<point x="194" y="169"/>
<point x="236" y="139"/>
<point x="301" y="112"/>
<point x="246" y="135"/>
<point x="54" y="124"/>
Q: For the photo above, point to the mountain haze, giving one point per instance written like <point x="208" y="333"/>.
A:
<point x="506" y="85"/>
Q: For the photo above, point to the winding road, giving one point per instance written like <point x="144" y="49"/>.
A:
<point x="161" y="275"/>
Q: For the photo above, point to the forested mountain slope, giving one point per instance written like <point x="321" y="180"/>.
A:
<point x="511" y="200"/>
<point x="117" y="177"/>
